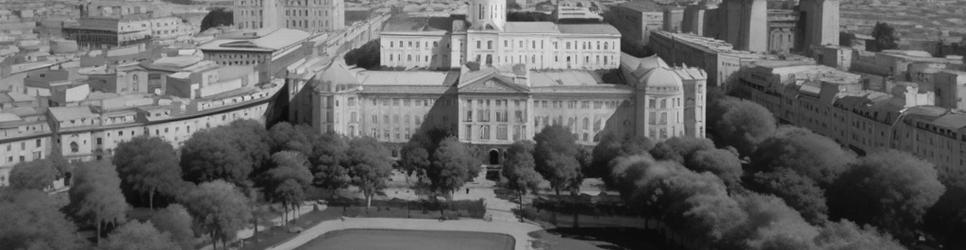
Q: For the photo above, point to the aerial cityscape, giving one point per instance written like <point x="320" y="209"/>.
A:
<point x="482" y="124"/>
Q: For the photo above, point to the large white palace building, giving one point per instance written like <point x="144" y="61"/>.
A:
<point x="498" y="83"/>
<point x="484" y="36"/>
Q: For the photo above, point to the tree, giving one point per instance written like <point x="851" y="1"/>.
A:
<point x="740" y="123"/>
<point x="720" y="162"/>
<point x="416" y="155"/>
<point x="799" y="192"/>
<point x="210" y="155"/>
<point x="96" y="195"/>
<point x="328" y="161"/>
<point x="366" y="57"/>
<point x="370" y="165"/>
<point x="299" y="138"/>
<point x="884" y="37"/>
<point x="148" y="166"/>
<point x="29" y="219"/>
<point x="512" y="5"/>
<point x="219" y="209"/>
<point x="555" y="157"/>
<point x="680" y="149"/>
<point x="809" y="154"/>
<point x="251" y="139"/>
<point x="520" y="170"/>
<point x="37" y="175"/>
<point x="845" y="235"/>
<point x="217" y="17"/>
<point x="137" y="235"/>
<point x="891" y="189"/>
<point x="453" y="165"/>
<point x="288" y="179"/>
<point x="176" y="221"/>
<point x="611" y="146"/>
<point x="771" y="224"/>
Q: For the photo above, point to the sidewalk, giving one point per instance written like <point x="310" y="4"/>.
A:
<point x="519" y="231"/>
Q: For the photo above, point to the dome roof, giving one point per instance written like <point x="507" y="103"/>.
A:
<point x="663" y="80"/>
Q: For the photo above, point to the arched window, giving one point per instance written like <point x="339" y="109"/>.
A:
<point x="586" y="123"/>
<point x="74" y="147"/>
<point x="489" y="59"/>
<point x="663" y="103"/>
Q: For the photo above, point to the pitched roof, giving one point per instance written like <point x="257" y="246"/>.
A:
<point x="71" y="113"/>
<point x="589" y="28"/>
<point x="530" y="27"/>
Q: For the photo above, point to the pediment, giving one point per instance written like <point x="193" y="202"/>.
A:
<point x="493" y="85"/>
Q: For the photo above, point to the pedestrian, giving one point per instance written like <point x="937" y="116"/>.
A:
<point x="467" y="190"/>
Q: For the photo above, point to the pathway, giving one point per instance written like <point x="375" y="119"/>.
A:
<point x="519" y="231"/>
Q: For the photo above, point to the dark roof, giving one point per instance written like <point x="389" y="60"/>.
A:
<point x="408" y="24"/>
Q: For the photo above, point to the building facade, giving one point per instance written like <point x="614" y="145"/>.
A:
<point x="307" y="15"/>
<point x="485" y="37"/>
<point x="496" y="106"/>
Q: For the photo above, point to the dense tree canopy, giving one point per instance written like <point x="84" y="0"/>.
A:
<point x="740" y="123"/>
<point x="216" y="17"/>
<point x="555" y="156"/>
<point x="891" y="189"/>
<point x="519" y="169"/>
<point x="800" y="192"/>
<point x="29" y="219"/>
<point x="453" y="165"/>
<point x="611" y="146"/>
<point x="845" y="235"/>
<point x="148" y="166"/>
<point x="96" y="197"/>
<point x="809" y="154"/>
<point x="366" y="57"/>
<point x="328" y="161"/>
<point x="251" y="139"/>
<point x="219" y="209"/>
<point x="416" y="155"/>
<point x="176" y="221"/>
<point x="884" y="36"/>
<point x="210" y="155"/>
<point x="680" y="149"/>
<point x="36" y="174"/>
<point x="137" y="235"/>
<point x="298" y="138"/>
<point x="288" y="179"/>
<point x="721" y="162"/>
<point x="370" y="165"/>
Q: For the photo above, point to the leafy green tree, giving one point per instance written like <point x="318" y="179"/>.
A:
<point x="210" y="155"/>
<point x="176" y="221"/>
<point x="137" y="235"/>
<point x="96" y="196"/>
<point x="884" y="36"/>
<point x="328" y="161"/>
<point x="720" y="162"/>
<point x="366" y="57"/>
<point x="29" y="219"/>
<point x="799" y="192"/>
<point x="148" y="166"/>
<point x="370" y="165"/>
<point x="680" y="149"/>
<point x="891" y="189"/>
<point x="809" y="154"/>
<point x="216" y="17"/>
<point x="288" y="179"/>
<point x="37" y="174"/>
<point x="555" y="157"/>
<point x="251" y="139"/>
<point x="520" y="170"/>
<point x="219" y="209"/>
<point x="611" y="146"/>
<point x="771" y="224"/>
<point x="740" y="123"/>
<point x="416" y="155"/>
<point x="299" y="138"/>
<point x="453" y="165"/>
<point x="845" y="235"/>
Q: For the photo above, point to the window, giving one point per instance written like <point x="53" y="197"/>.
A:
<point x="73" y="147"/>
<point x="489" y="44"/>
<point x="479" y="45"/>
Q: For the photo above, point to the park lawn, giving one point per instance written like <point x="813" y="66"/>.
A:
<point x="373" y="239"/>
<point x="277" y="235"/>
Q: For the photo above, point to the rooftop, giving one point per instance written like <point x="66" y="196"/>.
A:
<point x="259" y="41"/>
<point x="408" y="78"/>
<point x="592" y="28"/>
<point x="71" y="113"/>
<point x="531" y="27"/>
<point x="419" y="24"/>
<point x="564" y="78"/>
